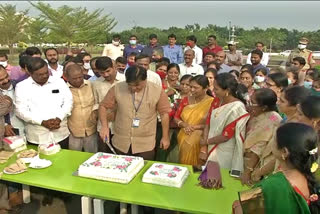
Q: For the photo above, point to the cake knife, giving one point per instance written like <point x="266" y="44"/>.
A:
<point x="106" y="140"/>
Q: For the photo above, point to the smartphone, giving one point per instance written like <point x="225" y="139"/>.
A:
<point x="16" y="131"/>
<point x="235" y="173"/>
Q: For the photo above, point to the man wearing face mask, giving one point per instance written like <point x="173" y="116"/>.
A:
<point x="114" y="49"/>
<point x="302" y="51"/>
<point x="121" y="65"/>
<point x="87" y="71"/>
<point x="132" y="47"/>
<point x="54" y="67"/>
<point x="14" y="72"/>
<point x="192" y="44"/>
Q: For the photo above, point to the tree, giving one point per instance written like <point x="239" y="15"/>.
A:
<point x="37" y="31"/>
<point x="67" y="25"/>
<point x="12" y="25"/>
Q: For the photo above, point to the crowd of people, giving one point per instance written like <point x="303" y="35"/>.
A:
<point x="183" y="105"/>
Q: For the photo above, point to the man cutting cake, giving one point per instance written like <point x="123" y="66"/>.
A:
<point x="135" y="103"/>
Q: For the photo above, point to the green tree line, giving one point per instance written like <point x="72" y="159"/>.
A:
<point x="77" y="25"/>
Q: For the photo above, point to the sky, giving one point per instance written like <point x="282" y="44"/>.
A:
<point x="300" y="15"/>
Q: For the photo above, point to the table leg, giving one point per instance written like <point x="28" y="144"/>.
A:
<point x="86" y="206"/>
<point x="134" y="209"/>
<point x="26" y="194"/>
<point x="98" y="206"/>
<point x="123" y="208"/>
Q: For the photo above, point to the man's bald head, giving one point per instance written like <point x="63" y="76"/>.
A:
<point x="72" y="69"/>
<point x="74" y="75"/>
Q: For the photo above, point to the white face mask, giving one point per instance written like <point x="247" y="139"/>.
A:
<point x="4" y="64"/>
<point x="289" y="82"/>
<point x="133" y="42"/>
<point x="301" y="46"/>
<point x="86" y="66"/>
<point x="259" y="79"/>
<point x="115" y="43"/>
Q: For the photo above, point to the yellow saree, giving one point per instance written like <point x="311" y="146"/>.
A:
<point x="189" y="145"/>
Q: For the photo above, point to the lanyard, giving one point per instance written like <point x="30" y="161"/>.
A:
<point x="133" y="99"/>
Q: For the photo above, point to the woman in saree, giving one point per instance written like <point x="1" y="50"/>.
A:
<point x="294" y="189"/>
<point x="288" y="104"/>
<point x="225" y="128"/>
<point x="264" y="120"/>
<point x="289" y="100"/>
<point x="191" y="117"/>
<point x="308" y="112"/>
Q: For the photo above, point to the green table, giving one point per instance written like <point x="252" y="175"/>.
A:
<point x="190" y="198"/>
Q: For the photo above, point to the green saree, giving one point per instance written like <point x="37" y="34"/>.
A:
<point x="278" y="196"/>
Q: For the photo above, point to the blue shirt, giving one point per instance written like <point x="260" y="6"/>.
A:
<point x="128" y="50"/>
<point x="175" y="53"/>
<point x="224" y="69"/>
<point x="257" y="67"/>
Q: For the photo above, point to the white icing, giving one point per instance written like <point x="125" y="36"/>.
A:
<point x="166" y="175"/>
<point x="13" y="143"/>
<point x="48" y="149"/>
<point x="110" y="167"/>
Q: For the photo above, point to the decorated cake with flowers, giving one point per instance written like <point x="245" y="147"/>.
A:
<point x="110" y="167"/>
<point x="166" y="175"/>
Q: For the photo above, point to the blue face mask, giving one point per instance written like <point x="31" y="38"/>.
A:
<point x="307" y="85"/>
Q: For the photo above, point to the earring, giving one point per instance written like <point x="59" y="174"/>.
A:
<point x="227" y="94"/>
<point x="283" y="157"/>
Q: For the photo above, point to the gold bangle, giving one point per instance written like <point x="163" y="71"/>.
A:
<point x="179" y="123"/>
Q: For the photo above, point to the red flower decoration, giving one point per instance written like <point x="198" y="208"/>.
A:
<point x="128" y="159"/>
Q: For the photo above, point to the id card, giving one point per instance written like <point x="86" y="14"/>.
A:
<point x="135" y="122"/>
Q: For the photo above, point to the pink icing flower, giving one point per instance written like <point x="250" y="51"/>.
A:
<point x="106" y="156"/>
<point x="97" y="163"/>
<point x="154" y="173"/>
<point x="128" y="159"/>
<point x="177" y="169"/>
<point x="171" y="175"/>
<point x="121" y="166"/>
<point x="159" y="166"/>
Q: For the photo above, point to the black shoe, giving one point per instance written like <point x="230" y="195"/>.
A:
<point x="47" y="200"/>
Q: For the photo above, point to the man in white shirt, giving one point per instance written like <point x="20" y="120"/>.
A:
<point x="44" y="103"/>
<point x="54" y="67"/>
<point x="265" y="56"/>
<point x="114" y="49"/>
<point x="144" y="61"/>
<point x="191" y="44"/>
<point x="189" y="67"/>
